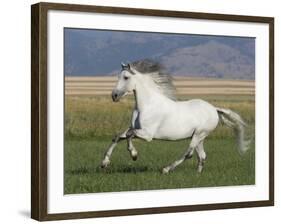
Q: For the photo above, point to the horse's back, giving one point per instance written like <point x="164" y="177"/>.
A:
<point x="197" y="105"/>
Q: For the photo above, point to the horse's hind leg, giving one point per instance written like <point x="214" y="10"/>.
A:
<point x="201" y="155"/>
<point x="107" y="155"/>
<point x="196" y="139"/>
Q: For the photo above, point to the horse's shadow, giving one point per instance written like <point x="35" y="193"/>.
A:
<point x="131" y="169"/>
<point x="109" y="170"/>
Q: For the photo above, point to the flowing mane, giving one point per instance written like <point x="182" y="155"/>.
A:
<point x="157" y="73"/>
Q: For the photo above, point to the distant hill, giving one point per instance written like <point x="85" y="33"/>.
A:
<point x="90" y="52"/>
<point x="211" y="59"/>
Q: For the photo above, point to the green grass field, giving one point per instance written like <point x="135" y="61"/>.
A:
<point x="91" y="122"/>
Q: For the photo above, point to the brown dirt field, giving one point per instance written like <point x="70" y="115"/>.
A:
<point x="100" y="85"/>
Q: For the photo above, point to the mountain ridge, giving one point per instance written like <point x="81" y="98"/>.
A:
<point x="89" y="53"/>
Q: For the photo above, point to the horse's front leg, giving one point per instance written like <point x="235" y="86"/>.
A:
<point x="107" y="155"/>
<point x="131" y="148"/>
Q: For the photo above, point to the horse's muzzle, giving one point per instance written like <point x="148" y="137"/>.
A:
<point x="116" y="95"/>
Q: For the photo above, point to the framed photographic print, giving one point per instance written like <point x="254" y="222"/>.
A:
<point x="139" y="111"/>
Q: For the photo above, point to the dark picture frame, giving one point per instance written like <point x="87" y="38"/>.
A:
<point x="39" y="108"/>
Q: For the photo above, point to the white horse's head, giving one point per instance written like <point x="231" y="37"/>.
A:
<point x="126" y="82"/>
<point x="144" y="72"/>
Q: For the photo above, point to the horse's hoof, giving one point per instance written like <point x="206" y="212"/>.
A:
<point x="165" y="170"/>
<point x="105" y="163"/>
<point x="134" y="156"/>
<point x="199" y="169"/>
<point x="103" y="166"/>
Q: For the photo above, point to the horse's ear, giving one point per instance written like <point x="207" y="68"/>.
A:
<point x="123" y="65"/>
<point x="127" y="67"/>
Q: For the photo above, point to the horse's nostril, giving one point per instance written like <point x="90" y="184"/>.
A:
<point x="114" y="96"/>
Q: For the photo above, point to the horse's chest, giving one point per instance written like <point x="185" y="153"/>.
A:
<point x="136" y="121"/>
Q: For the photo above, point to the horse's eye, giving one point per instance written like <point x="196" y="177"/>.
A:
<point x="126" y="78"/>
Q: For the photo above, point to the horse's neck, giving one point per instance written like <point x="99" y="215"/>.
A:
<point x="147" y="97"/>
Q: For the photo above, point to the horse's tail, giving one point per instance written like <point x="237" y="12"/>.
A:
<point x="233" y="120"/>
